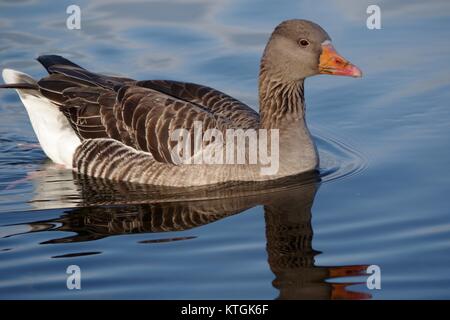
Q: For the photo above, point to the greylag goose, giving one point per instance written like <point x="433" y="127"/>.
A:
<point x="123" y="130"/>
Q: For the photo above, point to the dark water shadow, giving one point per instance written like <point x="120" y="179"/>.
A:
<point x="110" y="209"/>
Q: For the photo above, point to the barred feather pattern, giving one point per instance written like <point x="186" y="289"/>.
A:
<point x="209" y="99"/>
<point x="111" y="159"/>
<point x="279" y="100"/>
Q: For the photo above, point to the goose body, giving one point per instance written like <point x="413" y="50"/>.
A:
<point x="122" y="129"/>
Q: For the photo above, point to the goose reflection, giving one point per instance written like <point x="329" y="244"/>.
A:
<point x="109" y="208"/>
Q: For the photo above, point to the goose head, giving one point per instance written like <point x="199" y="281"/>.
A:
<point x="298" y="49"/>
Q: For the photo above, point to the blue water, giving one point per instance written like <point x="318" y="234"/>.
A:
<point x="382" y="198"/>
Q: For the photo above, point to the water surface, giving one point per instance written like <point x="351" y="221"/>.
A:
<point x="381" y="197"/>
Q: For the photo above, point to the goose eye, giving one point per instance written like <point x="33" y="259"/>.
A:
<point x="303" y="42"/>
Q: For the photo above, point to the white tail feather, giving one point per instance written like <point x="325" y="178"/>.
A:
<point x="56" y="136"/>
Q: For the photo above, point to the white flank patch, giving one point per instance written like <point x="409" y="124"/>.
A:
<point x="56" y="136"/>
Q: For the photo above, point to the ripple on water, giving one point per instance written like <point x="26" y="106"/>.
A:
<point x="338" y="160"/>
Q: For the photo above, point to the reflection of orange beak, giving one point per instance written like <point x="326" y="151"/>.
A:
<point x="332" y="63"/>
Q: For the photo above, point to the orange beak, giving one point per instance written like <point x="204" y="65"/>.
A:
<point x="333" y="63"/>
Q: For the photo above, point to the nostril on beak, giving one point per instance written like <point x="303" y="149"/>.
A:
<point x="338" y="61"/>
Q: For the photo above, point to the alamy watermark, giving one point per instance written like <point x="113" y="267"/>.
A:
<point x="374" y="280"/>
<point x="74" y="277"/>
<point x="374" y="19"/>
<point x="235" y="146"/>
<point x="73" y="21"/>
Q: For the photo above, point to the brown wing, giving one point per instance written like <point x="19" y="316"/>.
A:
<point x="213" y="100"/>
<point x="151" y="117"/>
<point x="77" y="92"/>
<point x="141" y="114"/>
